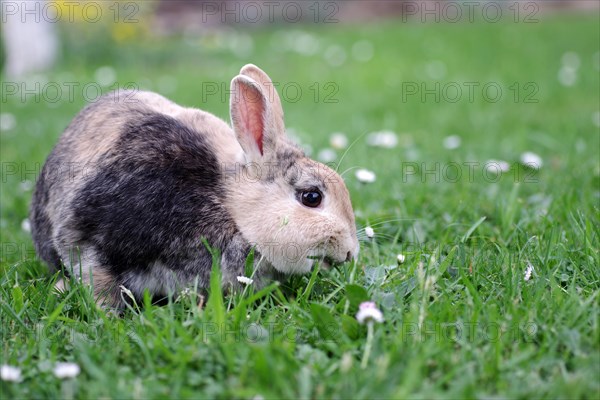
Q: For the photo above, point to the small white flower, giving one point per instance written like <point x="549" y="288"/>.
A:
<point x="435" y="69"/>
<point x="369" y="232"/>
<point x="452" y="142"/>
<point x="7" y="121"/>
<point x="362" y="51"/>
<point x="401" y="258"/>
<point x="26" y="185"/>
<point x="327" y="155"/>
<point x="567" y="75"/>
<point x="26" y="225"/>
<point x="335" y="55"/>
<point x="531" y="160"/>
<point x="66" y="370"/>
<point x="338" y="140"/>
<point x="105" y="76"/>
<point x="497" y="166"/>
<point x="304" y="43"/>
<point x="365" y="176"/>
<point x="528" y="272"/>
<point x="245" y="280"/>
<point x="184" y="293"/>
<point x="385" y="139"/>
<point x="10" y="374"/>
<point x="368" y="311"/>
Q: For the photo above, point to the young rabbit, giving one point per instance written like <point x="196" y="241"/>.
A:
<point x="136" y="182"/>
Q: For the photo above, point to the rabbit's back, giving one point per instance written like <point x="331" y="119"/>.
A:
<point x="133" y="185"/>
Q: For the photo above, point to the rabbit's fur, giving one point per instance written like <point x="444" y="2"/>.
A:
<point x="136" y="181"/>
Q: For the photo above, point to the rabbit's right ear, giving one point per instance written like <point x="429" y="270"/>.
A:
<point x="268" y="88"/>
<point x="252" y="119"/>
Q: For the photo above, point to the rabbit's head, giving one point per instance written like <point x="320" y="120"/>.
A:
<point x="292" y="209"/>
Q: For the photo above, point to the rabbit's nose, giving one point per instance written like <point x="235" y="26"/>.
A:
<point x="349" y="256"/>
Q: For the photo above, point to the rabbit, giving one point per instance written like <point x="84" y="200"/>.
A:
<point x="137" y="182"/>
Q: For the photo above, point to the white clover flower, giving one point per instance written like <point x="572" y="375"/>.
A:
<point x="531" y="160"/>
<point x="186" y="292"/>
<point x="26" y="185"/>
<point x="338" y="140"/>
<point x="365" y="176"/>
<point x="435" y="69"/>
<point x="65" y="370"/>
<point x="368" y="312"/>
<point x="326" y="155"/>
<point x="497" y="166"/>
<point x="369" y="232"/>
<point x="567" y="75"/>
<point x="452" y="142"/>
<point x="401" y="258"/>
<point x="385" y="139"/>
<point x="7" y="121"/>
<point x="305" y="44"/>
<point x="362" y="51"/>
<point x="10" y="374"/>
<point x="528" y="272"/>
<point x="26" y="225"/>
<point x="245" y="280"/>
<point x="335" y="55"/>
<point x="105" y="76"/>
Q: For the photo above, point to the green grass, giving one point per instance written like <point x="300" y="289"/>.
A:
<point x="460" y="320"/>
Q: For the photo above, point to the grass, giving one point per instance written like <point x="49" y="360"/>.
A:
<point x="460" y="320"/>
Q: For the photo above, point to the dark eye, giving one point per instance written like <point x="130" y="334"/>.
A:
<point x="311" y="198"/>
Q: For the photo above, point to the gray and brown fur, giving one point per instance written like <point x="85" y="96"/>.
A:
<point x="136" y="181"/>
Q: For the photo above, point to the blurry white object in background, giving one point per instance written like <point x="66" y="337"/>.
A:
<point x="30" y="39"/>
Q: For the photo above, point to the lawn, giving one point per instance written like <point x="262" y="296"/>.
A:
<point x="461" y="319"/>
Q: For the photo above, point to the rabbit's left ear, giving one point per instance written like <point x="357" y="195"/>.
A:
<point x="254" y="122"/>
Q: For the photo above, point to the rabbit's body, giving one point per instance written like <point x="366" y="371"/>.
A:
<point x="136" y="182"/>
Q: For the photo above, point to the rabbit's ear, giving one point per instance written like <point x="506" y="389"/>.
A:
<point x="268" y="88"/>
<point x="252" y="119"/>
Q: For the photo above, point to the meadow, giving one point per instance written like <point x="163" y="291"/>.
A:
<point x="497" y="294"/>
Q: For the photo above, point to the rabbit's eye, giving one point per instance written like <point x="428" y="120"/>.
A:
<point x="311" y="198"/>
